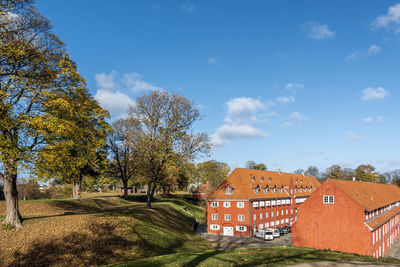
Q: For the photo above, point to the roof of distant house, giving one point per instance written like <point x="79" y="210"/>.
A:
<point x="370" y="195"/>
<point x="254" y="184"/>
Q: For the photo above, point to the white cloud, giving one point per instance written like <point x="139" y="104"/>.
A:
<point x="294" y="85"/>
<point x="369" y="119"/>
<point x="284" y="100"/>
<point x="372" y="119"/>
<point x="297" y="117"/>
<point x="115" y="102"/>
<point x="374" y="93"/>
<point x="352" y="137"/>
<point x="374" y="49"/>
<point x="239" y="122"/>
<point x="188" y="8"/>
<point x="133" y="81"/>
<point x="392" y="18"/>
<point x="114" y="90"/>
<point x="244" y="105"/>
<point x="212" y="61"/>
<point x="318" y="31"/>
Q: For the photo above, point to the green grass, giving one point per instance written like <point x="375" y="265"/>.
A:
<point x="275" y="256"/>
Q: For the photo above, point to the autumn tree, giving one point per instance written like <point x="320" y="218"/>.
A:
<point x="312" y="171"/>
<point x="334" y="172"/>
<point x="166" y="121"/>
<point x="76" y="145"/>
<point x="121" y="143"/>
<point x="213" y="172"/>
<point x="33" y="67"/>
<point x="256" y="166"/>
<point x="250" y="164"/>
<point x="366" y="173"/>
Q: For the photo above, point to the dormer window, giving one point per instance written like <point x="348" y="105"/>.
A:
<point x="295" y="189"/>
<point x="266" y="189"/>
<point x="281" y="189"/>
<point x="253" y="178"/>
<point x="270" y="179"/>
<point x="262" y="179"/>
<point x="274" y="189"/>
<point x="257" y="189"/>
<point x="309" y="189"/>
<point x="228" y="191"/>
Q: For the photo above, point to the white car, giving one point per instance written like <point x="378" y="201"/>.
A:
<point x="276" y="233"/>
<point x="259" y="233"/>
<point x="269" y="235"/>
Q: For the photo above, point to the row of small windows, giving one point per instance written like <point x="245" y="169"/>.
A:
<point x="376" y="212"/>
<point x="256" y="204"/>
<point x="239" y="228"/>
<point x="226" y="204"/>
<point x="241" y="217"/>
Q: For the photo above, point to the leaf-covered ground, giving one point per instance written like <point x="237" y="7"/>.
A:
<point x="97" y="231"/>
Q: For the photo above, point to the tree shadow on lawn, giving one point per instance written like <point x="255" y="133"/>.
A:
<point x="101" y="245"/>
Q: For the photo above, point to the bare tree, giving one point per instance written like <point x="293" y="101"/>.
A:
<point x="166" y="120"/>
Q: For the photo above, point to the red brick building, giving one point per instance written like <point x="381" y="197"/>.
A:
<point x="349" y="216"/>
<point x="252" y="199"/>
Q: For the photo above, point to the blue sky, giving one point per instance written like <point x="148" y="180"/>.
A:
<point x="287" y="83"/>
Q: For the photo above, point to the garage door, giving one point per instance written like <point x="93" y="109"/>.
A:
<point x="228" y="231"/>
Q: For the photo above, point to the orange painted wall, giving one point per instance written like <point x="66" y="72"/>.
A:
<point x="338" y="227"/>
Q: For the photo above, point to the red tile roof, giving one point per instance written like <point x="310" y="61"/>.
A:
<point x="383" y="218"/>
<point x="370" y="195"/>
<point x="246" y="181"/>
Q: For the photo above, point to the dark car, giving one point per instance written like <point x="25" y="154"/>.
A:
<point x="285" y="230"/>
<point x="289" y="229"/>
<point x="281" y="232"/>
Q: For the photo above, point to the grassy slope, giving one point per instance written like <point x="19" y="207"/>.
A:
<point x="98" y="231"/>
<point x="276" y="256"/>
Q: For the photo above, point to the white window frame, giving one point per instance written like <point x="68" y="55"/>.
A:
<point x="278" y="202"/>
<point x="228" y="191"/>
<point x="272" y="214"/>
<point x="282" y="221"/>
<point x="273" y="203"/>
<point x="241" y="218"/>
<point x="255" y="204"/>
<point x="277" y="222"/>
<point x="214" y="226"/>
<point x="241" y="228"/>
<point x="261" y="216"/>
<point x="266" y="225"/>
<point x="227" y="204"/>
<point x="328" y="199"/>
<point x="214" y="217"/>
<point x="262" y="203"/>
<point x="272" y="223"/>
<point x="240" y="205"/>
<point x="267" y="203"/>
<point x="266" y="215"/>
<point x="227" y="217"/>
<point x="214" y="204"/>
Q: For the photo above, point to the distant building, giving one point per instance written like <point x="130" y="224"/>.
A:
<point x="350" y="216"/>
<point x="252" y="199"/>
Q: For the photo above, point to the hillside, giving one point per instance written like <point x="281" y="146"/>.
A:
<point x="97" y="231"/>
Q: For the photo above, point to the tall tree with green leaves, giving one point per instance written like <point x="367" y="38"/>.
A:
<point x="166" y="137"/>
<point x="213" y="172"/>
<point x="366" y="173"/>
<point x="34" y="67"/>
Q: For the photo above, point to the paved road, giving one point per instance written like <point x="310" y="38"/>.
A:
<point x="236" y="242"/>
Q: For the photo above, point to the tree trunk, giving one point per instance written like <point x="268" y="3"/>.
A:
<point x="153" y="190"/>
<point x="77" y="188"/>
<point x="11" y="195"/>
<point x="149" y="196"/>
<point x="125" y="182"/>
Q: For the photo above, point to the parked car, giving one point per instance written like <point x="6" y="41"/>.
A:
<point x="281" y="232"/>
<point x="269" y="235"/>
<point x="276" y="233"/>
<point x="289" y="229"/>
<point x="285" y="230"/>
<point x="259" y="233"/>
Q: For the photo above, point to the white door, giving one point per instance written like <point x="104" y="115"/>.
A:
<point x="228" y="231"/>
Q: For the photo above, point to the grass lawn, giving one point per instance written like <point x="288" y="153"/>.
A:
<point x="276" y="256"/>
<point x="98" y="231"/>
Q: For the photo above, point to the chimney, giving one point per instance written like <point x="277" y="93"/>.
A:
<point x="302" y="173"/>
<point x="279" y="171"/>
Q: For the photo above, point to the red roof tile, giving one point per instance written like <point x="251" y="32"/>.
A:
<point x="383" y="218"/>
<point x="370" y="195"/>
<point x="246" y="181"/>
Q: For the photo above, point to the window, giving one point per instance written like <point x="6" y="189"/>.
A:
<point x="287" y="212"/>
<point x="286" y="220"/>
<point x="278" y="202"/>
<point x="241" y="218"/>
<point x="287" y="201"/>
<point x="277" y="222"/>
<point x="214" y="217"/>
<point x="272" y="214"/>
<point x="227" y="217"/>
<point x="227" y="204"/>
<point x="241" y="228"/>
<point x="267" y="203"/>
<point x="281" y="190"/>
<point x="273" y="203"/>
<point x="282" y="221"/>
<point x="281" y="212"/>
<point x="255" y="204"/>
<point x="228" y="191"/>
<point x="260" y="216"/>
<point x="266" y="225"/>
<point x="291" y="191"/>
<point x="291" y="211"/>
<point x="214" y="204"/>
<point x="214" y="227"/>
<point x="262" y="203"/>
<point x="272" y="223"/>
<point x="328" y="199"/>
<point x="266" y="189"/>
<point x="266" y="214"/>
<point x="254" y="217"/>
<point x="240" y="204"/>
<point x="261" y="226"/>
